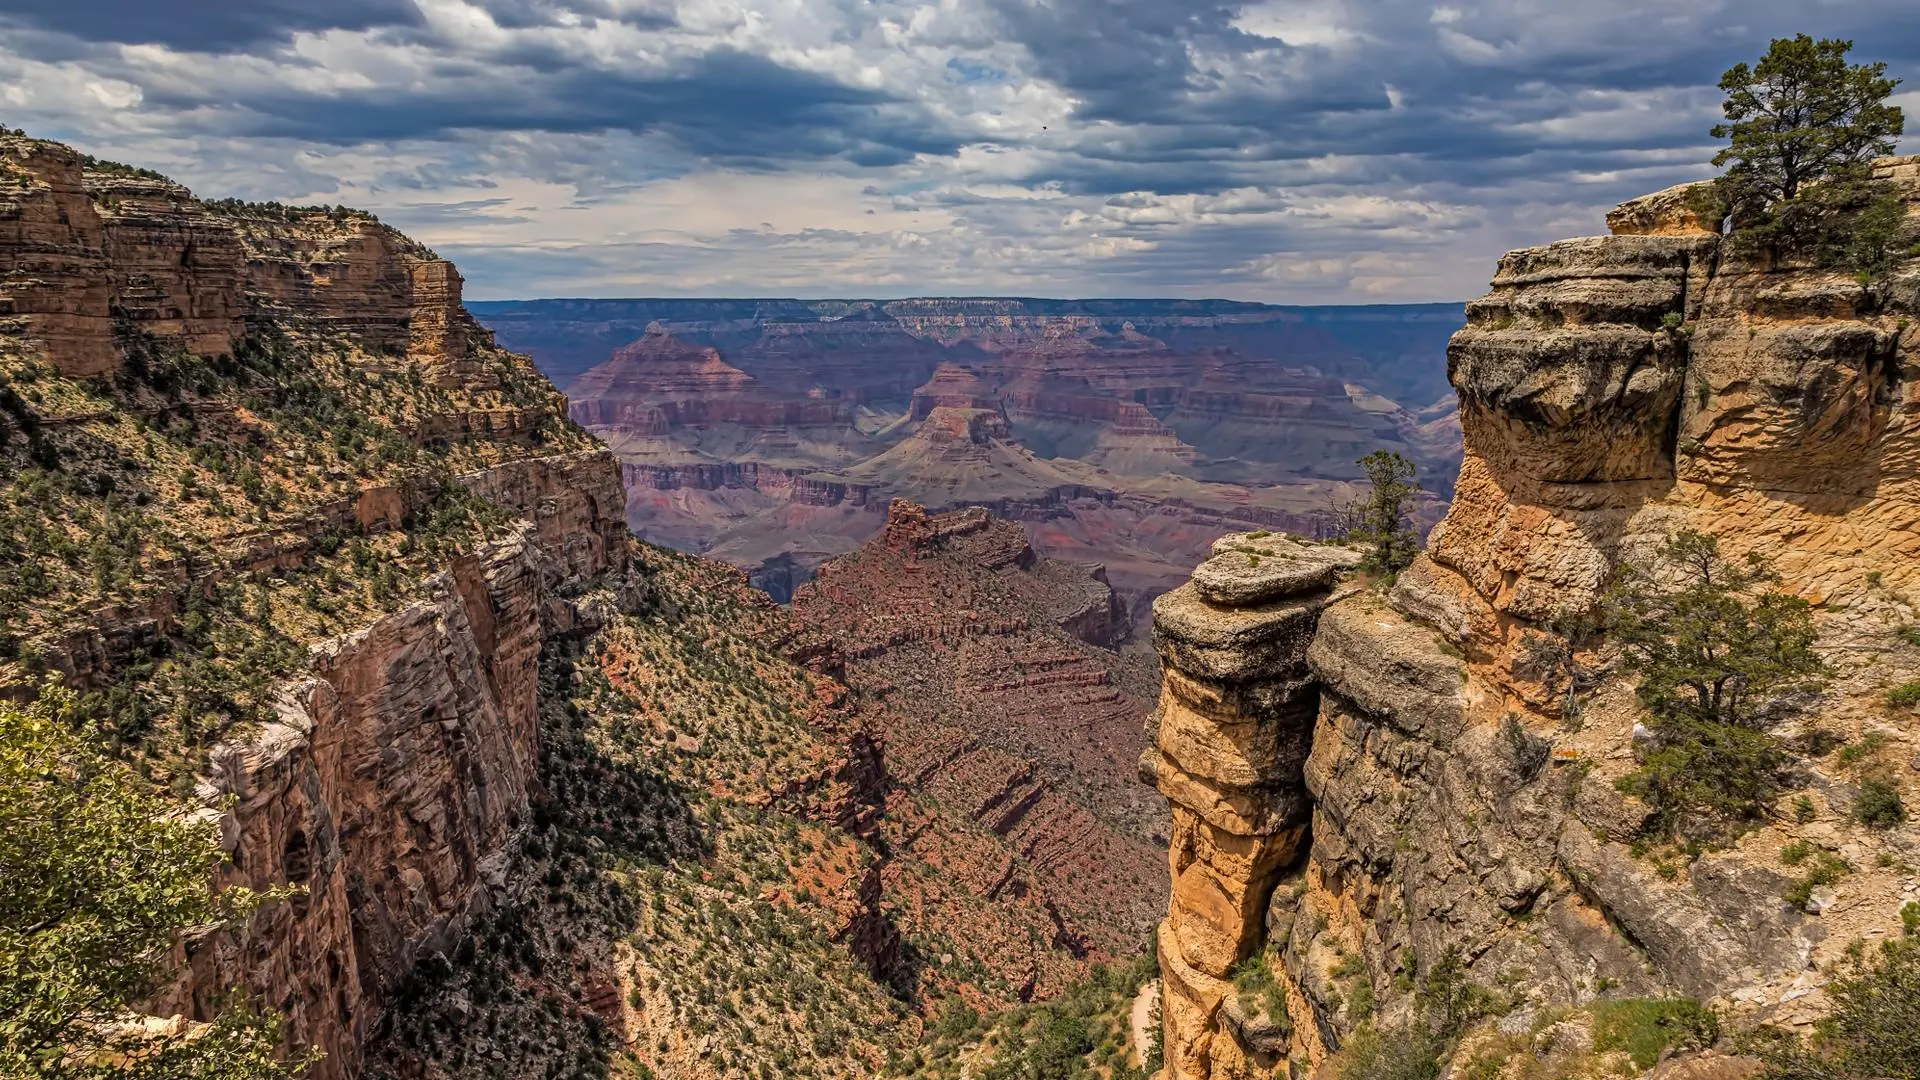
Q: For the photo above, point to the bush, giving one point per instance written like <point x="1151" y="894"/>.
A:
<point x="1873" y="1030"/>
<point x="1905" y="696"/>
<point x="1646" y="1028"/>
<point x="1878" y="805"/>
<point x="101" y="877"/>
<point x="1411" y="1054"/>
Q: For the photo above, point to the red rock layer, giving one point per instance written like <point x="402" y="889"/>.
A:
<point x="1003" y="709"/>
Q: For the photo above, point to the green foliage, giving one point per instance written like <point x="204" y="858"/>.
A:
<point x="1803" y="810"/>
<point x="1822" y="868"/>
<point x="1409" y="1054"/>
<point x="1803" y="127"/>
<point x="1721" y="655"/>
<point x="1259" y="990"/>
<point x="98" y="875"/>
<point x="1646" y="1028"/>
<point x="1905" y="696"/>
<point x="1878" y="804"/>
<point x="1873" y="1030"/>
<point x="1384" y="523"/>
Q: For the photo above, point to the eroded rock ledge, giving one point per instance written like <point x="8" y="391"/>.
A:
<point x="1612" y="390"/>
<point x="1235" y="716"/>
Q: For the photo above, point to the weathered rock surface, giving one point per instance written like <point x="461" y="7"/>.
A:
<point x="1611" y="390"/>
<point x="1236" y="712"/>
<point x="394" y="776"/>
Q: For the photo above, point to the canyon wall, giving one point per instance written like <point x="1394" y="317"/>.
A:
<point x="393" y="782"/>
<point x="91" y="251"/>
<point x="1612" y="390"/>
<point x="392" y="776"/>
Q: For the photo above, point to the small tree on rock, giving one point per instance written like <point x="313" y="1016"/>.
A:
<point x="1722" y="655"/>
<point x="98" y="876"/>
<point x="1803" y="127"/>
<point x="1384" y="523"/>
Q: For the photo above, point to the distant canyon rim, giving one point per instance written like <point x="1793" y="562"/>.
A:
<point x="772" y="434"/>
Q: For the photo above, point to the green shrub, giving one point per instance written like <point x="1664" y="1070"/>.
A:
<point x="1905" y="696"/>
<point x="1721" y="654"/>
<point x="1878" y="805"/>
<point x="1410" y="1054"/>
<point x="1873" y="1030"/>
<point x="1646" y="1028"/>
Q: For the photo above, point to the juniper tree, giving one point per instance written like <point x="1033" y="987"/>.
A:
<point x="1722" y="654"/>
<point x="1802" y="128"/>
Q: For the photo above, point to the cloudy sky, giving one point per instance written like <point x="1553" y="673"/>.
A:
<point x="1289" y="150"/>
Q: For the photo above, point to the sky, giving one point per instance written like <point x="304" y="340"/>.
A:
<point x="1302" y="151"/>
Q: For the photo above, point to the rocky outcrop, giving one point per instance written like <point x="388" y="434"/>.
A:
<point x="394" y="780"/>
<point x="1612" y="390"/>
<point x="1236" y="709"/>
<point x="91" y="253"/>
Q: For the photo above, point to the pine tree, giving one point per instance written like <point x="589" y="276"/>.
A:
<point x="1385" y="525"/>
<point x="1803" y="127"/>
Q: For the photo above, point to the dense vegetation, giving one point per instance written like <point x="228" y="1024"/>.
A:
<point x="98" y="875"/>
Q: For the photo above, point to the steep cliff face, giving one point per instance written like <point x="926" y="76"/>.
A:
<point x="1612" y="390"/>
<point x="1236" y="713"/>
<point x="299" y="532"/>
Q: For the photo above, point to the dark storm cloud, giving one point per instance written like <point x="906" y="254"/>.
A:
<point x="726" y="106"/>
<point x="203" y="25"/>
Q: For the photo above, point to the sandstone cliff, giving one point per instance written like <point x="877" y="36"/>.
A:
<point x="1612" y="390"/>
<point x="300" y="532"/>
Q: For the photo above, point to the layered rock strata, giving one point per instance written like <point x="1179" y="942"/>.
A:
<point x="1236" y="711"/>
<point x="91" y="253"/>
<point x="1464" y="803"/>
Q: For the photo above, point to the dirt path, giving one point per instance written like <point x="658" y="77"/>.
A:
<point x="1142" y="1020"/>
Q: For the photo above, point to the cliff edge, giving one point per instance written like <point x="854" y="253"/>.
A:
<point x="1612" y="391"/>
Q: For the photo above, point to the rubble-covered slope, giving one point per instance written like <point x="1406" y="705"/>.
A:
<point x="1613" y="390"/>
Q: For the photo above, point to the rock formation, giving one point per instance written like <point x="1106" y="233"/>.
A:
<point x="772" y="435"/>
<point x="194" y="350"/>
<point x="1611" y="390"/>
<point x="1234" y="725"/>
<point x="1007" y="711"/>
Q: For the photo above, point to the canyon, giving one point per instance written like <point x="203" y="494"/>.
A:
<point x="773" y="434"/>
<point x="327" y="563"/>
<point x="1377" y="783"/>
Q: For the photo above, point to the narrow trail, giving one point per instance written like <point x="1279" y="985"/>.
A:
<point x="1142" y="1020"/>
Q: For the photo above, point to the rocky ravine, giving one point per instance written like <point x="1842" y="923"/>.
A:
<point x="1612" y="389"/>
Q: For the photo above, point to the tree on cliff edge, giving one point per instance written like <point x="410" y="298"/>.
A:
<point x="1803" y="127"/>
<point x="1722" y="655"/>
<point x="98" y="876"/>
<point x="1382" y="521"/>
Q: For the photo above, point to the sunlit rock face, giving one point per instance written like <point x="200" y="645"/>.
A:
<point x="1612" y="389"/>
